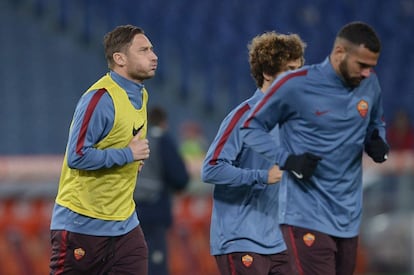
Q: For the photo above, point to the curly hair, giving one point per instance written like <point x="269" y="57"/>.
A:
<point x="270" y="52"/>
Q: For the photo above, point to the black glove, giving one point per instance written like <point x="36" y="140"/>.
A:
<point x="302" y="166"/>
<point x="376" y="148"/>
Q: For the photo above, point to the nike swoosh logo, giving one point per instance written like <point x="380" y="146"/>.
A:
<point x="320" y="113"/>
<point x="135" y="131"/>
<point x="298" y="175"/>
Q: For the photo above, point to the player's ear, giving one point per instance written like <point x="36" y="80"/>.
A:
<point x="119" y="58"/>
<point x="268" y="77"/>
<point x="338" y="53"/>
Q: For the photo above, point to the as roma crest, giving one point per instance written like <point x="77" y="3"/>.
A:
<point x="247" y="260"/>
<point x="309" y="239"/>
<point x="362" y="108"/>
<point x="78" y="253"/>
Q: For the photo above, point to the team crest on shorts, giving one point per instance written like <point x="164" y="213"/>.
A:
<point x="247" y="260"/>
<point x="362" y="108"/>
<point x="78" y="253"/>
<point x="309" y="239"/>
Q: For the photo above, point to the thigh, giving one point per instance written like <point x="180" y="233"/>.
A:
<point x="311" y="252"/>
<point x="74" y="253"/>
<point x="279" y="264"/>
<point x="243" y="263"/>
<point x="131" y="254"/>
<point x="346" y="255"/>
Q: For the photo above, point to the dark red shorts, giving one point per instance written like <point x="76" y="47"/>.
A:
<point x="248" y="263"/>
<point x="74" y="253"/>
<point x="313" y="252"/>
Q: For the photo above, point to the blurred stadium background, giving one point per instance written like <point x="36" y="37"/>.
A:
<point x="51" y="51"/>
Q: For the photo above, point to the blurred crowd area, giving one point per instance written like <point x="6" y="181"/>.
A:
<point x="28" y="186"/>
<point x="52" y="50"/>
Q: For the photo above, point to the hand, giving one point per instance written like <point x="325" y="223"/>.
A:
<point x="274" y="175"/>
<point x="140" y="166"/>
<point x="302" y="166"/>
<point x="376" y="148"/>
<point x="139" y="147"/>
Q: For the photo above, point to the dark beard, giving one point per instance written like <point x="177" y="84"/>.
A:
<point x="352" y="82"/>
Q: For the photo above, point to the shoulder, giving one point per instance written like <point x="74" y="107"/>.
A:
<point x="233" y="120"/>
<point x="96" y="95"/>
<point x="289" y="81"/>
<point x="239" y="112"/>
<point x="373" y="78"/>
<point x="96" y="101"/>
<point x="294" y="77"/>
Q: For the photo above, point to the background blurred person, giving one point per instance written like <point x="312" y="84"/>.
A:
<point x="328" y="113"/>
<point x="193" y="147"/>
<point x="162" y="174"/>
<point x="245" y="237"/>
<point x="400" y="132"/>
<point x="94" y="227"/>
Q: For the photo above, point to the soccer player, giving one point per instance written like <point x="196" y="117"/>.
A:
<point x="94" y="227"/>
<point x="245" y="236"/>
<point x="328" y="113"/>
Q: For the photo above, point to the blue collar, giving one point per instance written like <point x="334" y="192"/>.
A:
<point x="126" y="84"/>
<point x="133" y="90"/>
<point x="328" y="70"/>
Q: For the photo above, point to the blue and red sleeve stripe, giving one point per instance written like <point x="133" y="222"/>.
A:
<point x="233" y="122"/>
<point x="272" y="91"/>
<point x="86" y="119"/>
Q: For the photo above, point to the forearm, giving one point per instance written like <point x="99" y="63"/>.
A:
<point x="264" y="144"/>
<point x="93" y="159"/>
<point x="224" y="173"/>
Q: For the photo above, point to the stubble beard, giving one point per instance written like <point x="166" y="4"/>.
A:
<point x="352" y="82"/>
<point x="141" y="76"/>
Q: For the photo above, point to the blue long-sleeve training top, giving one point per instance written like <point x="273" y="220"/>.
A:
<point x="317" y="113"/>
<point x="82" y="155"/>
<point x="244" y="215"/>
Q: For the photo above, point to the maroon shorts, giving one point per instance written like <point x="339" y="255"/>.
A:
<point x="248" y="263"/>
<point x="313" y="252"/>
<point x="74" y="253"/>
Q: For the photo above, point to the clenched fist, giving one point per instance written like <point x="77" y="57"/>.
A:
<point x="274" y="175"/>
<point x="139" y="147"/>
